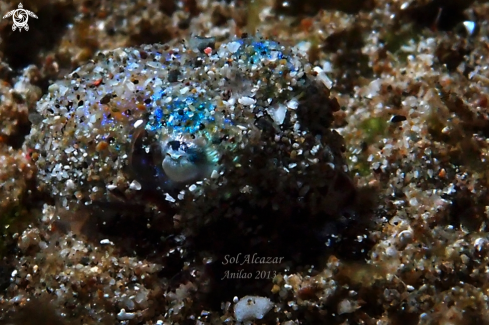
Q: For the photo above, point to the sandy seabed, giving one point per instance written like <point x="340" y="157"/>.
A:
<point x="411" y="82"/>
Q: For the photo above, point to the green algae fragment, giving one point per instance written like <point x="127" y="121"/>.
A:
<point x="362" y="166"/>
<point x="373" y="128"/>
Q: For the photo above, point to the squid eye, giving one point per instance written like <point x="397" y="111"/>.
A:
<point x="186" y="162"/>
<point x="169" y="164"/>
<point x="176" y="145"/>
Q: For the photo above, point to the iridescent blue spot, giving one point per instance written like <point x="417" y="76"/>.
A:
<point x="183" y="115"/>
<point x="255" y="51"/>
<point x="158" y="114"/>
<point x="259" y="46"/>
<point x="157" y="96"/>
